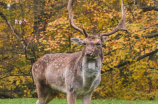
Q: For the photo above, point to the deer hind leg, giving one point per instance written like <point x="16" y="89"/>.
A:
<point x="87" y="99"/>
<point x="51" y="95"/>
<point x="45" y="94"/>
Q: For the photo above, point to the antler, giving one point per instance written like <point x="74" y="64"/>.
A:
<point x="71" y="15"/>
<point x="120" y="26"/>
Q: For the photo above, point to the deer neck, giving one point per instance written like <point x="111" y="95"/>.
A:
<point x="91" y="69"/>
<point x="91" y="66"/>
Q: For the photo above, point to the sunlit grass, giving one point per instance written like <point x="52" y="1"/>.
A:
<point x="63" y="101"/>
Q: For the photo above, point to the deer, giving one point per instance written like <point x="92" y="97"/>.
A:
<point x="75" y="74"/>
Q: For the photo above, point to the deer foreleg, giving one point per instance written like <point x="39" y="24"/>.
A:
<point x="71" y="98"/>
<point x="87" y="99"/>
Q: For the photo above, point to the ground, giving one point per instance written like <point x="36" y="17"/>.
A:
<point x="63" y="101"/>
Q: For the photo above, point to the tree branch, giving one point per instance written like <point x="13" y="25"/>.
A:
<point x="149" y="8"/>
<point x="10" y="26"/>
<point x="16" y="75"/>
<point x="134" y="59"/>
<point x="151" y="36"/>
<point x="156" y="25"/>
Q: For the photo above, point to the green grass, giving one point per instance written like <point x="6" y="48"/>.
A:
<point x="63" y="101"/>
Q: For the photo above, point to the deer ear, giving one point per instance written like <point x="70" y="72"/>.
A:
<point x="77" y="40"/>
<point x="103" y="38"/>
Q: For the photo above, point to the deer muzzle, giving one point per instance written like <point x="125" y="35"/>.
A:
<point x="88" y="54"/>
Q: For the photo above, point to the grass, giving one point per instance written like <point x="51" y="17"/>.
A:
<point x="63" y="101"/>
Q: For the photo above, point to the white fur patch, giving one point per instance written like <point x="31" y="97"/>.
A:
<point x="91" y="66"/>
<point x="58" y="88"/>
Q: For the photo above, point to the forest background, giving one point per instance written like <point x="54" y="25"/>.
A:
<point x="31" y="28"/>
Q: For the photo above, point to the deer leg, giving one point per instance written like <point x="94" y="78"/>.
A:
<point x="71" y="98"/>
<point x="51" y="95"/>
<point x="87" y="99"/>
<point x="44" y="94"/>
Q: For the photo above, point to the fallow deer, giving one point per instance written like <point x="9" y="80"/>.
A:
<point x="76" y="74"/>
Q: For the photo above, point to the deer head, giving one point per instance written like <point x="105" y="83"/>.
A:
<point x="92" y="46"/>
<point x="93" y="43"/>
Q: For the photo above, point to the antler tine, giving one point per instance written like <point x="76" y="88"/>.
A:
<point x="71" y="15"/>
<point x="85" y="33"/>
<point x="120" y="26"/>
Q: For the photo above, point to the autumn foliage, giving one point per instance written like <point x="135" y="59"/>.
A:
<point x="31" y="28"/>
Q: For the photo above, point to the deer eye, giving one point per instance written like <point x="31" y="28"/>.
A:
<point x="84" y="44"/>
<point x="98" y="44"/>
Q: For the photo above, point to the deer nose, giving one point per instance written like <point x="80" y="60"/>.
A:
<point x="88" y="54"/>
